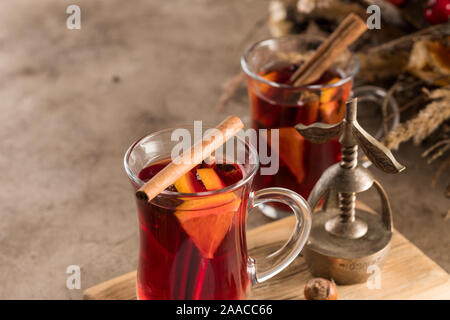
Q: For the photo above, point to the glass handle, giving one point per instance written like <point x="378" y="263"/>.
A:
<point x="377" y="95"/>
<point x="265" y="268"/>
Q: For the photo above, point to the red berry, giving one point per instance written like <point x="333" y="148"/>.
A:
<point x="437" y="11"/>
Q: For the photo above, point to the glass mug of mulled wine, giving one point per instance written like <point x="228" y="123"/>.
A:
<point x="276" y="104"/>
<point x="193" y="234"/>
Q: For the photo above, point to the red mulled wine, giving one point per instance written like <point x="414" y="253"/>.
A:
<point x="272" y="107"/>
<point x="194" y="246"/>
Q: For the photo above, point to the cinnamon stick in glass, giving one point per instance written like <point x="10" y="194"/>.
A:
<point x="346" y="33"/>
<point x="188" y="160"/>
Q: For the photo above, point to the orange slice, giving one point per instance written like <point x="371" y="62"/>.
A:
<point x="210" y="179"/>
<point x="328" y="94"/>
<point x="264" y="88"/>
<point x="207" y="228"/>
<point x="188" y="184"/>
<point x="332" y="112"/>
<point x="346" y="90"/>
<point x="308" y="113"/>
<point x="207" y="220"/>
<point x="291" y="151"/>
<point x="207" y="202"/>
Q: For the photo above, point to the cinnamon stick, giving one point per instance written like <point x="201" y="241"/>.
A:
<point x="346" y="33"/>
<point x="188" y="160"/>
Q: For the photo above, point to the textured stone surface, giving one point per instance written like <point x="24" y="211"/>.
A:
<point x="73" y="101"/>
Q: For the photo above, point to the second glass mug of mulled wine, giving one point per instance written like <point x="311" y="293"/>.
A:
<point x="193" y="234"/>
<point x="276" y="104"/>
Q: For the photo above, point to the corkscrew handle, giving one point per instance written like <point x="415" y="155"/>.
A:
<point x="351" y="134"/>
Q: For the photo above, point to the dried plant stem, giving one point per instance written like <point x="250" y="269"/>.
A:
<point x="442" y="167"/>
<point x="441" y="29"/>
<point x="411" y="103"/>
<point x="426" y="121"/>
<point x="446" y="146"/>
<point x="434" y="147"/>
<point x="408" y="105"/>
<point x="439" y="153"/>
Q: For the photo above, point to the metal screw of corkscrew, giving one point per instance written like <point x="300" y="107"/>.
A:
<point x="346" y="224"/>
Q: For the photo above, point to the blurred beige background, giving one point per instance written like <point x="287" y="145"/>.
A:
<point x="72" y="101"/>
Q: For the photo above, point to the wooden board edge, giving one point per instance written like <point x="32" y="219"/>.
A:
<point x="106" y="289"/>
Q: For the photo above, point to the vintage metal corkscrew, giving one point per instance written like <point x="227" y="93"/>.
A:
<point x="348" y="244"/>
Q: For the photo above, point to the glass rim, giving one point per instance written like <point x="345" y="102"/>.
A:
<point x="168" y="193"/>
<point x="250" y="73"/>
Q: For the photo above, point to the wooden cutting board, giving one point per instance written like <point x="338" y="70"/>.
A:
<point x="407" y="274"/>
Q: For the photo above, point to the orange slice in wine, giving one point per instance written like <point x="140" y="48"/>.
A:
<point x="208" y="227"/>
<point x="308" y="113"/>
<point x="188" y="183"/>
<point x="291" y="151"/>
<point x="329" y="94"/>
<point x="210" y="179"/>
<point x="266" y="89"/>
<point x="332" y="112"/>
<point x="207" y="220"/>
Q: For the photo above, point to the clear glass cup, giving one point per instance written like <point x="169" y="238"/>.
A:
<point x="193" y="245"/>
<point x="275" y="104"/>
